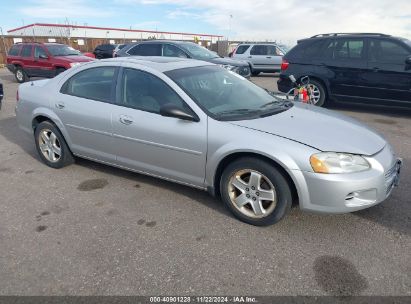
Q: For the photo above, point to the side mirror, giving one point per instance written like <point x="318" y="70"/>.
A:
<point x="408" y="60"/>
<point x="171" y="110"/>
<point x="43" y="56"/>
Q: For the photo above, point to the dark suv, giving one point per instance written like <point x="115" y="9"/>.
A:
<point x="367" y="68"/>
<point x="107" y="50"/>
<point x="184" y="49"/>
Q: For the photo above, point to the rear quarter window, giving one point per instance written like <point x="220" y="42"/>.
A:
<point x="242" y="49"/>
<point x="309" y="49"/>
<point x="15" y="50"/>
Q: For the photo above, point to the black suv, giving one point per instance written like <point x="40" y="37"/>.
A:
<point x="182" y="49"/>
<point x="363" y="67"/>
<point x="107" y="50"/>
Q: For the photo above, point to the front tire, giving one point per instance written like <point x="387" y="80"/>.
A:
<point x="51" y="146"/>
<point x="20" y="75"/>
<point x="255" y="191"/>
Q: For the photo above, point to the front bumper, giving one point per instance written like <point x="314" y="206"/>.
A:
<point x="342" y="193"/>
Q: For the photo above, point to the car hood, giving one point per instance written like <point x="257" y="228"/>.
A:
<point x="80" y="58"/>
<point x="321" y="129"/>
<point x="230" y="61"/>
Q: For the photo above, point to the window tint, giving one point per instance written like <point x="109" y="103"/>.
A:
<point x="387" y="51"/>
<point x="143" y="91"/>
<point x="348" y="48"/>
<point x="38" y="50"/>
<point x="170" y="50"/>
<point x="150" y="49"/>
<point x="241" y="49"/>
<point x="269" y="50"/>
<point x="313" y="49"/>
<point x="26" y="52"/>
<point x="15" y="50"/>
<point x="94" y="83"/>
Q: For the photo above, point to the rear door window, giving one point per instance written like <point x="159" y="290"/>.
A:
<point x="242" y="49"/>
<point x="348" y="49"/>
<point x="95" y="83"/>
<point x="259" y="50"/>
<point x="149" y="49"/>
<point x="26" y="51"/>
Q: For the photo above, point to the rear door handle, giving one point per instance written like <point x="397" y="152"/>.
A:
<point x="375" y="69"/>
<point x="126" y="120"/>
<point x="250" y="57"/>
<point x="269" y="57"/>
<point x="60" y="105"/>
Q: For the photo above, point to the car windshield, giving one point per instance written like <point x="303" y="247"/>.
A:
<point x="407" y="42"/>
<point x="62" y="50"/>
<point x="225" y="95"/>
<point x="199" y="52"/>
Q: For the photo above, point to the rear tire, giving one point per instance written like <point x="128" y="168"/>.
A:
<point x="20" y="75"/>
<point x="321" y="89"/>
<point x="51" y="146"/>
<point x="255" y="191"/>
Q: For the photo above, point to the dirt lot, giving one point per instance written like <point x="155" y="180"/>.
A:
<point x="90" y="229"/>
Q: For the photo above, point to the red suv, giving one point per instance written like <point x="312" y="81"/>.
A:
<point x="27" y="60"/>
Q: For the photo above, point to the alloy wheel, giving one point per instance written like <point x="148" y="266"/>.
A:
<point x="252" y="193"/>
<point x="49" y="145"/>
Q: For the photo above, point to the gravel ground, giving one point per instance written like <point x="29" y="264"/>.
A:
<point x="89" y="229"/>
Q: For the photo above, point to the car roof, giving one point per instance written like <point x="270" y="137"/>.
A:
<point x="161" y="64"/>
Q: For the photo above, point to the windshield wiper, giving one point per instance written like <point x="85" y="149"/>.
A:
<point x="236" y="112"/>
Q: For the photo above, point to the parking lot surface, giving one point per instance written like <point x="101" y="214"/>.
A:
<point x="90" y="229"/>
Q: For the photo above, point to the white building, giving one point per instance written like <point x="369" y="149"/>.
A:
<point x="111" y="34"/>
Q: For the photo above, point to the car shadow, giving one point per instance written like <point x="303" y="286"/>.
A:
<point x="395" y="212"/>
<point x="197" y="195"/>
<point x="371" y="109"/>
<point x="10" y="130"/>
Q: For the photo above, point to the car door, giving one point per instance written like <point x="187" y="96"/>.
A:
<point x="42" y="66"/>
<point x="26" y="57"/>
<point x="84" y="105"/>
<point x="145" y="141"/>
<point x="389" y="76"/>
<point x="346" y="59"/>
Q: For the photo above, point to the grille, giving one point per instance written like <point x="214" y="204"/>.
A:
<point x="390" y="175"/>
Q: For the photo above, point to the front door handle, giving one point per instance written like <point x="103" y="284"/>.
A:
<point x="126" y="120"/>
<point x="375" y="69"/>
<point x="269" y="57"/>
<point x="250" y="57"/>
<point x="60" y="105"/>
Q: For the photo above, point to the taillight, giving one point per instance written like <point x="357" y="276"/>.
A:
<point x="284" y="65"/>
<point x="17" y="95"/>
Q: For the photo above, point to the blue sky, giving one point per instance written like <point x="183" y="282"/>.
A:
<point x="281" y="20"/>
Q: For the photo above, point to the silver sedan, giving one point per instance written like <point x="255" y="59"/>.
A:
<point x="197" y="124"/>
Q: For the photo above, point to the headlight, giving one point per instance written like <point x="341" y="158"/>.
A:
<point x="332" y="162"/>
<point x="230" y="67"/>
<point x="73" y="64"/>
